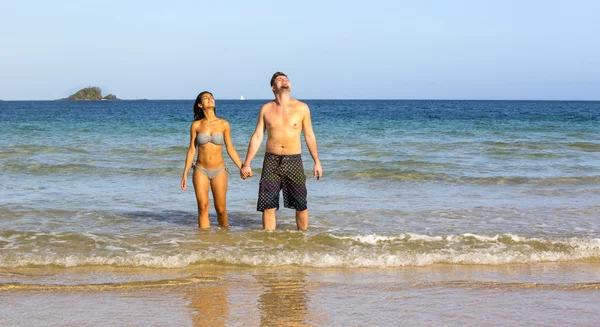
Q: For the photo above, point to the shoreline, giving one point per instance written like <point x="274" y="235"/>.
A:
<point x="578" y="274"/>
<point x="296" y="296"/>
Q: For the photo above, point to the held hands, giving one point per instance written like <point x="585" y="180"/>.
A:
<point x="318" y="171"/>
<point x="245" y="172"/>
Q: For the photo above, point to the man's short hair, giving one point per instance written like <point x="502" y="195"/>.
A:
<point x="275" y="76"/>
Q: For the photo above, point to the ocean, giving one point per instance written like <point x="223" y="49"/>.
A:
<point x="420" y="201"/>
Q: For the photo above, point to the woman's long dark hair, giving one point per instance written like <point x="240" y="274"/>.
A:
<point x="198" y="113"/>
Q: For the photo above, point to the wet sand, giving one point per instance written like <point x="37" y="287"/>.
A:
<point x="446" y="295"/>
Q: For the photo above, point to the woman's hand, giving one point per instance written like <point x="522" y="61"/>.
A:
<point x="245" y="172"/>
<point x="183" y="183"/>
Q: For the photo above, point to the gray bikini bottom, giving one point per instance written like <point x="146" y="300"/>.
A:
<point x="210" y="173"/>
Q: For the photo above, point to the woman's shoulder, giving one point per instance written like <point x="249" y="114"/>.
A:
<point x="223" y="122"/>
<point x="215" y="126"/>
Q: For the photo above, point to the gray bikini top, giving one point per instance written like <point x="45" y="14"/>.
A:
<point x="216" y="138"/>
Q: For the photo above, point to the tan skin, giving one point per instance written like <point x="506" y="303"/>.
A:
<point x="284" y="119"/>
<point x="210" y="156"/>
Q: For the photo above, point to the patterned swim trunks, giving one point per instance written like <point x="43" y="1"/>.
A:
<point x="282" y="173"/>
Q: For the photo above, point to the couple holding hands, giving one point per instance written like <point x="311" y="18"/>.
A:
<point x="284" y="119"/>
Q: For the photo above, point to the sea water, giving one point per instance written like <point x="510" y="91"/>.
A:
<point x="90" y="188"/>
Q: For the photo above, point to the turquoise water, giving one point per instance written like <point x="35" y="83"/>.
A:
<point x="406" y="183"/>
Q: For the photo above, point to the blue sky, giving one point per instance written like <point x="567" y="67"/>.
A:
<point x="329" y="49"/>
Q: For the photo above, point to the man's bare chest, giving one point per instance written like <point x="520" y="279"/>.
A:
<point x="283" y="121"/>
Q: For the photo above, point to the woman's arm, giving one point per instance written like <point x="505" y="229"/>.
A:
<point x="189" y="158"/>
<point x="229" y="146"/>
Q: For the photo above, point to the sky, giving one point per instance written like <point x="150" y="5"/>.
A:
<point x="461" y="49"/>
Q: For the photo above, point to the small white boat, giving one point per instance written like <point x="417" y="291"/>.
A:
<point x="242" y="97"/>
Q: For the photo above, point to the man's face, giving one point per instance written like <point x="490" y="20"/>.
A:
<point x="282" y="83"/>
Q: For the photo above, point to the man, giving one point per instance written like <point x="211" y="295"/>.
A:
<point x="284" y="119"/>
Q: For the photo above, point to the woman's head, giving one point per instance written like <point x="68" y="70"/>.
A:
<point x="204" y="100"/>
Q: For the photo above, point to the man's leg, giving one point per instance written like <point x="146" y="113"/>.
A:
<point x="294" y="189"/>
<point x="268" y="191"/>
<point x="302" y="219"/>
<point x="269" y="219"/>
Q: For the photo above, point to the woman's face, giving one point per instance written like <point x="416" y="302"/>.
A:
<point x="207" y="100"/>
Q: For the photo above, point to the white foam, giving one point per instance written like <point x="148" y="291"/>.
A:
<point x="369" y="239"/>
<point x="363" y="251"/>
<point x="356" y="256"/>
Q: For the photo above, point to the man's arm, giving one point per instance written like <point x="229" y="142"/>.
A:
<point x="255" y="142"/>
<point x="311" y="143"/>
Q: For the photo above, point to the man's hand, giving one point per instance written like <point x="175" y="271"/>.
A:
<point x="318" y="171"/>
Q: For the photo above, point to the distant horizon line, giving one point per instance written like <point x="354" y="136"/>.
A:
<point x="311" y="99"/>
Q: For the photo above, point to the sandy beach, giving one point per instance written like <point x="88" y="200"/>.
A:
<point x="440" y="295"/>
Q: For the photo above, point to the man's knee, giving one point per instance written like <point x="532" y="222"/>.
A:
<point x="270" y="212"/>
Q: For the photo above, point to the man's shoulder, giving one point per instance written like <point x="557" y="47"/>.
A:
<point x="299" y="104"/>
<point x="294" y="103"/>
<point x="268" y="105"/>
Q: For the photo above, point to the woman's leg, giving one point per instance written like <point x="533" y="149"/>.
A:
<point x="218" y="186"/>
<point x="201" y="183"/>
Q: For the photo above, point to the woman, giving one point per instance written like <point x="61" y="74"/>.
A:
<point x="208" y="133"/>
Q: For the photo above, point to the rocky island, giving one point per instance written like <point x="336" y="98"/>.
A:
<point x="90" y="93"/>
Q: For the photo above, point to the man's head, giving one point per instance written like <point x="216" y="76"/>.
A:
<point x="279" y="82"/>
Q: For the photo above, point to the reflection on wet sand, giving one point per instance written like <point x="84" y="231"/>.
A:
<point x="284" y="300"/>
<point x="210" y="304"/>
<point x="262" y="298"/>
